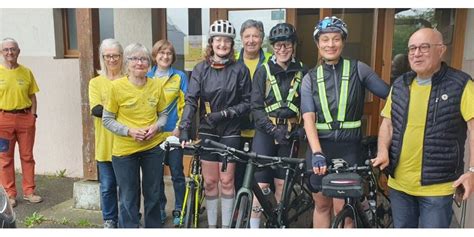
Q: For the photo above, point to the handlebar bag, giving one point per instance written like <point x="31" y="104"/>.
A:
<point x="341" y="185"/>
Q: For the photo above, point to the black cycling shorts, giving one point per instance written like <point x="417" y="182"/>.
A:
<point x="348" y="151"/>
<point x="231" y="141"/>
<point x="264" y="144"/>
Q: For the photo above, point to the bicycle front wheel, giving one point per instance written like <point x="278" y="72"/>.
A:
<point x="346" y="219"/>
<point x="242" y="210"/>
<point x="189" y="211"/>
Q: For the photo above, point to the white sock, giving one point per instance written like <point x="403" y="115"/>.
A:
<point x="227" y="204"/>
<point x="211" y="207"/>
<point x="254" y="222"/>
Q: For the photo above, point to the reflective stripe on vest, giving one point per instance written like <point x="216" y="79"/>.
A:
<point x="276" y="91"/>
<point x="341" y="110"/>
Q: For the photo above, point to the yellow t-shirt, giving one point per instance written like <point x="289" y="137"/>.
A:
<point x="135" y="107"/>
<point x="251" y="65"/>
<point x="99" y="88"/>
<point x="408" y="172"/>
<point x="16" y="86"/>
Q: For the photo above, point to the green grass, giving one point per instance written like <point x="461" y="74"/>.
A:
<point x="34" y="219"/>
<point x="61" y="173"/>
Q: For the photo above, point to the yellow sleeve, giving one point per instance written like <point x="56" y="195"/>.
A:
<point x="161" y="106"/>
<point x="33" y="86"/>
<point x="94" y="94"/>
<point x="112" y="103"/>
<point x="467" y="101"/>
<point x="387" y="109"/>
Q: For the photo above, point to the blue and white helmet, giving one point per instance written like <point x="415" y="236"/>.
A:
<point x="222" y="28"/>
<point x="330" y="25"/>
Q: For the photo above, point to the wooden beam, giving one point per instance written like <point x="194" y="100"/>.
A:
<point x="291" y="16"/>
<point x="458" y="38"/>
<point x="158" y="24"/>
<point x="324" y="12"/>
<point x="88" y="43"/>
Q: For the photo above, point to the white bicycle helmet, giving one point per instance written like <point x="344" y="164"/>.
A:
<point x="330" y="25"/>
<point x="222" y="28"/>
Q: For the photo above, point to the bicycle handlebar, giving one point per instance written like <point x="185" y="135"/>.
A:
<point x="345" y="169"/>
<point x="254" y="155"/>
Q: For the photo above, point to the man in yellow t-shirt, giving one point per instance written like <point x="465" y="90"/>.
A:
<point x="252" y="55"/>
<point x="17" y="122"/>
<point x="422" y="136"/>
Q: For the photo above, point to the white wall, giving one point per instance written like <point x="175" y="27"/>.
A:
<point x="58" y="143"/>
<point x="32" y="28"/>
<point x="133" y="25"/>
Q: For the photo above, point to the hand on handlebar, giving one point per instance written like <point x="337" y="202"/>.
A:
<point x="318" y="161"/>
<point x="381" y="160"/>
<point x="184" y="138"/>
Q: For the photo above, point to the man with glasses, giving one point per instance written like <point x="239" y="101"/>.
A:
<point x="422" y="136"/>
<point x="17" y="122"/>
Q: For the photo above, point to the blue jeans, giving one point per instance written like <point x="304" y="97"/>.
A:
<point x="420" y="212"/>
<point x="175" y="162"/>
<point x="108" y="191"/>
<point x="127" y="172"/>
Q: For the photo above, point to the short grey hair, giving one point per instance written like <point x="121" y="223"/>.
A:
<point x="108" y="44"/>
<point x="8" y="39"/>
<point x="252" y="23"/>
<point x="135" y="48"/>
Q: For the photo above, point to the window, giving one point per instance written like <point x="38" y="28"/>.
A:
<point x="71" y="49"/>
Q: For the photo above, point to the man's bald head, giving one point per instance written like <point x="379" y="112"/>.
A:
<point x="425" y="52"/>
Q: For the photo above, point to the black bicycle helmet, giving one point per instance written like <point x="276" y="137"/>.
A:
<point x="330" y="25"/>
<point x="282" y="32"/>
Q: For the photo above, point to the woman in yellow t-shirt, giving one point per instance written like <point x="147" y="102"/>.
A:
<point x="135" y="113"/>
<point x="111" y="60"/>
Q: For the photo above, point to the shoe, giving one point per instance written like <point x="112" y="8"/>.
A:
<point x="33" y="198"/>
<point x="163" y="216"/>
<point x="12" y="201"/>
<point x="110" y="224"/>
<point x="176" y="215"/>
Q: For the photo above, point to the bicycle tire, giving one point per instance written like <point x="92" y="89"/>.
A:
<point x="243" y="213"/>
<point x="342" y="216"/>
<point x="189" y="211"/>
<point x="300" y="208"/>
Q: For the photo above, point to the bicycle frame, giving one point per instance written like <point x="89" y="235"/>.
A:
<point x="193" y="185"/>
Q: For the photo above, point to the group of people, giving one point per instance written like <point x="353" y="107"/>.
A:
<point x="268" y="101"/>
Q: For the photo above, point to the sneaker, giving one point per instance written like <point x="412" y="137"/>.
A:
<point x="12" y="201"/>
<point x="163" y="216"/>
<point x="176" y="215"/>
<point x="110" y="224"/>
<point x="33" y="198"/>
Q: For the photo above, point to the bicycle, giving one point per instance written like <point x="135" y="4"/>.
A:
<point x="193" y="196"/>
<point x="296" y="197"/>
<point x="356" y="184"/>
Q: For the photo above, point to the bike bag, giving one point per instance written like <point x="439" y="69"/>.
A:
<point x="341" y="185"/>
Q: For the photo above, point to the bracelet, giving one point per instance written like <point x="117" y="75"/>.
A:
<point x="471" y="169"/>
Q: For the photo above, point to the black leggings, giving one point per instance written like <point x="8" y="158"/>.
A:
<point x="264" y="144"/>
<point x="231" y="141"/>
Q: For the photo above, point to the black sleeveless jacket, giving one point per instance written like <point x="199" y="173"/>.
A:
<point x="355" y="101"/>
<point x="445" y="128"/>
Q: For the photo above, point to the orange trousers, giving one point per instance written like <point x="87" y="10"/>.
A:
<point x="19" y="128"/>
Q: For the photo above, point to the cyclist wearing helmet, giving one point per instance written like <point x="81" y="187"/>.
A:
<point x="221" y="87"/>
<point x="332" y="104"/>
<point x="275" y="106"/>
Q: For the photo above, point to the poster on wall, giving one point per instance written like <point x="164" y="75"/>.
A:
<point x="194" y="48"/>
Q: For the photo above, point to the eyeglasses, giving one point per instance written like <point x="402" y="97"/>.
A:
<point x="139" y="59"/>
<point x="109" y="57"/>
<point x="163" y="53"/>
<point x="6" y="50"/>
<point x="424" y="48"/>
<point x="286" y="45"/>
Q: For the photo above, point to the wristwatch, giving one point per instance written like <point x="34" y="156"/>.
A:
<point x="471" y="169"/>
